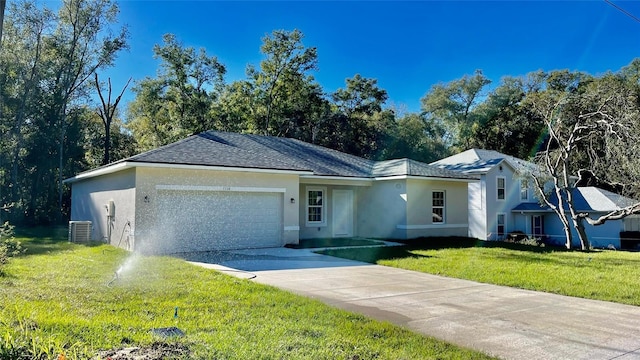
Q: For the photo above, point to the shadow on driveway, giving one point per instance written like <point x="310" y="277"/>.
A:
<point x="250" y="260"/>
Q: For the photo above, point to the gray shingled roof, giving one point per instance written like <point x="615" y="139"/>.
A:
<point x="478" y="161"/>
<point x="411" y="167"/>
<point x="225" y="149"/>
<point x="207" y="149"/>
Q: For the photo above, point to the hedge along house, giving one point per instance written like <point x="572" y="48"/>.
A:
<point x="218" y="191"/>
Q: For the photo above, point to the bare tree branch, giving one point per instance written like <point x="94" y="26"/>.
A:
<point x="614" y="215"/>
<point x="106" y="112"/>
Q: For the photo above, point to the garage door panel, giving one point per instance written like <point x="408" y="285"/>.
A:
<point x="212" y="220"/>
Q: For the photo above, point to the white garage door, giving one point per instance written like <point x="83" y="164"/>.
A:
<point x="217" y="220"/>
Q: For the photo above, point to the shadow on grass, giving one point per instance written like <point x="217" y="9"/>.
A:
<point x="435" y="243"/>
<point x="46" y="240"/>
<point x="374" y="254"/>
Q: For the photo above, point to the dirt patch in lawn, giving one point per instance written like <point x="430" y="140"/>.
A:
<point x="156" y="351"/>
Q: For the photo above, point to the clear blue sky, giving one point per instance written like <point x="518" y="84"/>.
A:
<point x="406" y="46"/>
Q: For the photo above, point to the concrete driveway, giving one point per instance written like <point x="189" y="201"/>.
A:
<point x="501" y="321"/>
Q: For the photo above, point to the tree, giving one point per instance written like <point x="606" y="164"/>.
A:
<point x="180" y="100"/>
<point x="278" y="81"/>
<point x="361" y="96"/>
<point x="358" y="124"/>
<point x="584" y="117"/>
<point x="79" y="46"/>
<point x="416" y="137"/>
<point x="47" y="59"/>
<point x="121" y="142"/>
<point x="506" y="124"/>
<point x="24" y="69"/>
<point x="107" y="111"/>
<point x="453" y="104"/>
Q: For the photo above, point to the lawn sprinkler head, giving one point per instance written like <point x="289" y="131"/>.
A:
<point x="115" y="277"/>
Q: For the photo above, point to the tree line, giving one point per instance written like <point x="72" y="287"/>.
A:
<point x="58" y="118"/>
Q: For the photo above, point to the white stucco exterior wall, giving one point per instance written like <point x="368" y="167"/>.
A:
<point x="149" y="178"/>
<point x="383" y="207"/>
<point x="326" y="229"/>
<point x="396" y="208"/>
<point x="494" y="206"/>
<point x="90" y="197"/>
<point x="393" y="209"/>
<point x="419" y="208"/>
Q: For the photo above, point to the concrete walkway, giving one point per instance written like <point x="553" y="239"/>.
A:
<point x="501" y="321"/>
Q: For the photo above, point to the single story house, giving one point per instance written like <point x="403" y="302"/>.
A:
<point x="220" y="190"/>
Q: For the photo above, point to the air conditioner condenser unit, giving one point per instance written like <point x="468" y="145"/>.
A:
<point x="79" y="231"/>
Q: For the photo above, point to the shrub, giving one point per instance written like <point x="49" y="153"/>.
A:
<point x="9" y="246"/>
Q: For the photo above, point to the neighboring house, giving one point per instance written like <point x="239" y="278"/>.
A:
<point x="500" y="189"/>
<point x="217" y="190"/>
<point x="592" y="200"/>
<point x="504" y="202"/>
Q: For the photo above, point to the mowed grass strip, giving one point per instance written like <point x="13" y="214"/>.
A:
<point x="62" y="298"/>
<point x="601" y="275"/>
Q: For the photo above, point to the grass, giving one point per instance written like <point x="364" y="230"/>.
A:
<point x="62" y="298"/>
<point x="333" y="242"/>
<point x="601" y="275"/>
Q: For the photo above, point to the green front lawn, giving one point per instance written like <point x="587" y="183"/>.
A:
<point x="62" y="298"/>
<point x="602" y="275"/>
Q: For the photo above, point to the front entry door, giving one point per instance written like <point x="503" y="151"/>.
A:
<point x="342" y="213"/>
<point x="537" y="225"/>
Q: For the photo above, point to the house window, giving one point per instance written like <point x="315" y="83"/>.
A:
<point x="437" y="207"/>
<point x="501" y="188"/>
<point x="524" y="189"/>
<point x="316" y="209"/>
<point x="501" y="227"/>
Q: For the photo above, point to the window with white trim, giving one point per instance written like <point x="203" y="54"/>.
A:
<point x="524" y="189"/>
<point x="501" y="225"/>
<point x="501" y="187"/>
<point x="437" y="207"/>
<point x="316" y="208"/>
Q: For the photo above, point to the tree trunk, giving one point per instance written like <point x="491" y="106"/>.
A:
<point x="63" y="132"/>
<point x="568" y="235"/>
<point x="562" y="214"/>
<point x="578" y="224"/>
<point x="107" y="143"/>
<point x="60" y="175"/>
<point x="3" y="4"/>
